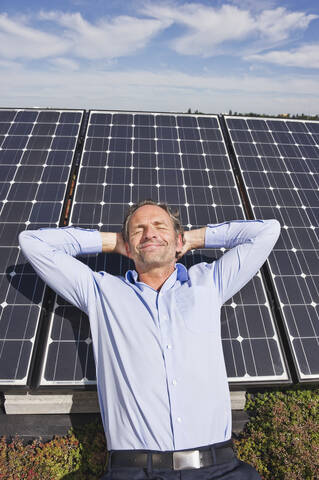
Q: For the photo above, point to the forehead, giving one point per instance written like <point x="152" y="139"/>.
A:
<point x="150" y="213"/>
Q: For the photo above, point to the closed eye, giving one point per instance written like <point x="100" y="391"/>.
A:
<point x="136" y="231"/>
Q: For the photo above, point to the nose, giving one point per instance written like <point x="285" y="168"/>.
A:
<point x="149" y="232"/>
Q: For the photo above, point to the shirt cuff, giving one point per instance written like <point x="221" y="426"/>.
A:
<point x="215" y="235"/>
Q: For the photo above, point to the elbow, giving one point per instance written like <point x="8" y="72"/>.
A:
<point x="276" y="227"/>
<point x="24" y="242"/>
<point x="22" y="238"/>
<point x="273" y="228"/>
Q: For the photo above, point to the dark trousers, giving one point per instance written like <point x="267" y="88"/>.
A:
<point x="232" y="470"/>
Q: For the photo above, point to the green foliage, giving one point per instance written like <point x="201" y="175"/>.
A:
<point x="282" y="438"/>
<point x="281" y="441"/>
<point x="79" y="455"/>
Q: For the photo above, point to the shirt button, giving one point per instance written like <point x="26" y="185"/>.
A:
<point x="169" y="346"/>
<point x="164" y="317"/>
<point x="179" y="419"/>
<point x="174" y="382"/>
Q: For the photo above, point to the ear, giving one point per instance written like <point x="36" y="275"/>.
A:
<point x="128" y="251"/>
<point x="179" y="243"/>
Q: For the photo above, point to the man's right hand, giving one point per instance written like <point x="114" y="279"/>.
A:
<point x="113" y="243"/>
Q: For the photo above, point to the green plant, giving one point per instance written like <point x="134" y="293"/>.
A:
<point x="79" y="455"/>
<point x="282" y="438"/>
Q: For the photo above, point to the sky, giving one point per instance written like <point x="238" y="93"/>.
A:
<point x="168" y="56"/>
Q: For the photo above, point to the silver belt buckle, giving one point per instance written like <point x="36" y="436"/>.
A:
<point x="186" y="459"/>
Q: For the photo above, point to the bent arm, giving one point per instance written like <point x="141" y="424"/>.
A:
<point x="250" y="242"/>
<point x="51" y="252"/>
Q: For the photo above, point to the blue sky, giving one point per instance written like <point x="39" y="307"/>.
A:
<point x="211" y="55"/>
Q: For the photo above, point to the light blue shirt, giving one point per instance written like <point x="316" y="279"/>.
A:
<point x="161" y="376"/>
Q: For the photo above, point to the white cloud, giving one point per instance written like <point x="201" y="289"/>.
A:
<point x="210" y="27"/>
<point x="166" y="90"/>
<point x="252" y="5"/>
<point x="209" y="31"/>
<point x="10" y="65"/>
<point x="106" y="38"/>
<point x="306" y="56"/>
<point x="74" y="36"/>
<point x="207" y="26"/>
<point x="18" y="40"/>
<point x="63" y="64"/>
<point x="278" y="23"/>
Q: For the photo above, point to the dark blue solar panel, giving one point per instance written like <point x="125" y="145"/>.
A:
<point x="283" y="182"/>
<point x="33" y="183"/>
<point x="181" y="160"/>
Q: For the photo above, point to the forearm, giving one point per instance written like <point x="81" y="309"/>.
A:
<point x="112" y="243"/>
<point x="228" y="234"/>
<point x="195" y="238"/>
<point x="249" y="244"/>
<point x="240" y="232"/>
<point x="51" y="252"/>
<point x="68" y="240"/>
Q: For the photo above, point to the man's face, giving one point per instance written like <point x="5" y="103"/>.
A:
<point x="152" y="239"/>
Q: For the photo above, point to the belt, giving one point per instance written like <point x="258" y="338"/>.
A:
<point x="177" y="460"/>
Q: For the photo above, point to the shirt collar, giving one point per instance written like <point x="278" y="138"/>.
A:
<point x="180" y="273"/>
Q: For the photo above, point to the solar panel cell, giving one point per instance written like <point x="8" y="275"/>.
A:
<point x="27" y="173"/>
<point x="29" y="116"/>
<point x="166" y="133"/>
<point x="58" y="158"/>
<point x="22" y="191"/>
<point x="117" y="193"/>
<point x="7" y="115"/>
<point x="147" y="120"/>
<point x="43" y="128"/>
<point x="33" y="157"/>
<point x="48" y="116"/>
<point x="207" y="122"/>
<point x="20" y="129"/>
<point x="308" y="363"/>
<point x="15" y="141"/>
<point x="101" y="119"/>
<point x="4" y="127"/>
<point x="63" y="143"/>
<point x="296" y="126"/>
<point x="4" y="187"/>
<point x="211" y="135"/>
<point x="141" y="192"/>
<point x="17" y="354"/>
<point x="71" y="117"/>
<point x="254" y="124"/>
<point x="165" y="120"/>
<point x="313" y="127"/>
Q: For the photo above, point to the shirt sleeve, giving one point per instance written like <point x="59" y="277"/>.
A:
<point x="249" y="243"/>
<point x="51" y="252"/>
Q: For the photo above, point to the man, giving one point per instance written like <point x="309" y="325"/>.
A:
<point x="161" y="376"/>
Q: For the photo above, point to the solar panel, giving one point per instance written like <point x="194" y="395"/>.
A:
<point x="36" y="153"/>
<point x="279" y="161"/>
<point x="181" y="160"/>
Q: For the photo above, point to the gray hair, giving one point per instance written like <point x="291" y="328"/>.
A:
<point x="173" y="214"/>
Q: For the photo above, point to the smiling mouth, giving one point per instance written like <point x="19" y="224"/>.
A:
<point x="151" y="246"/>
